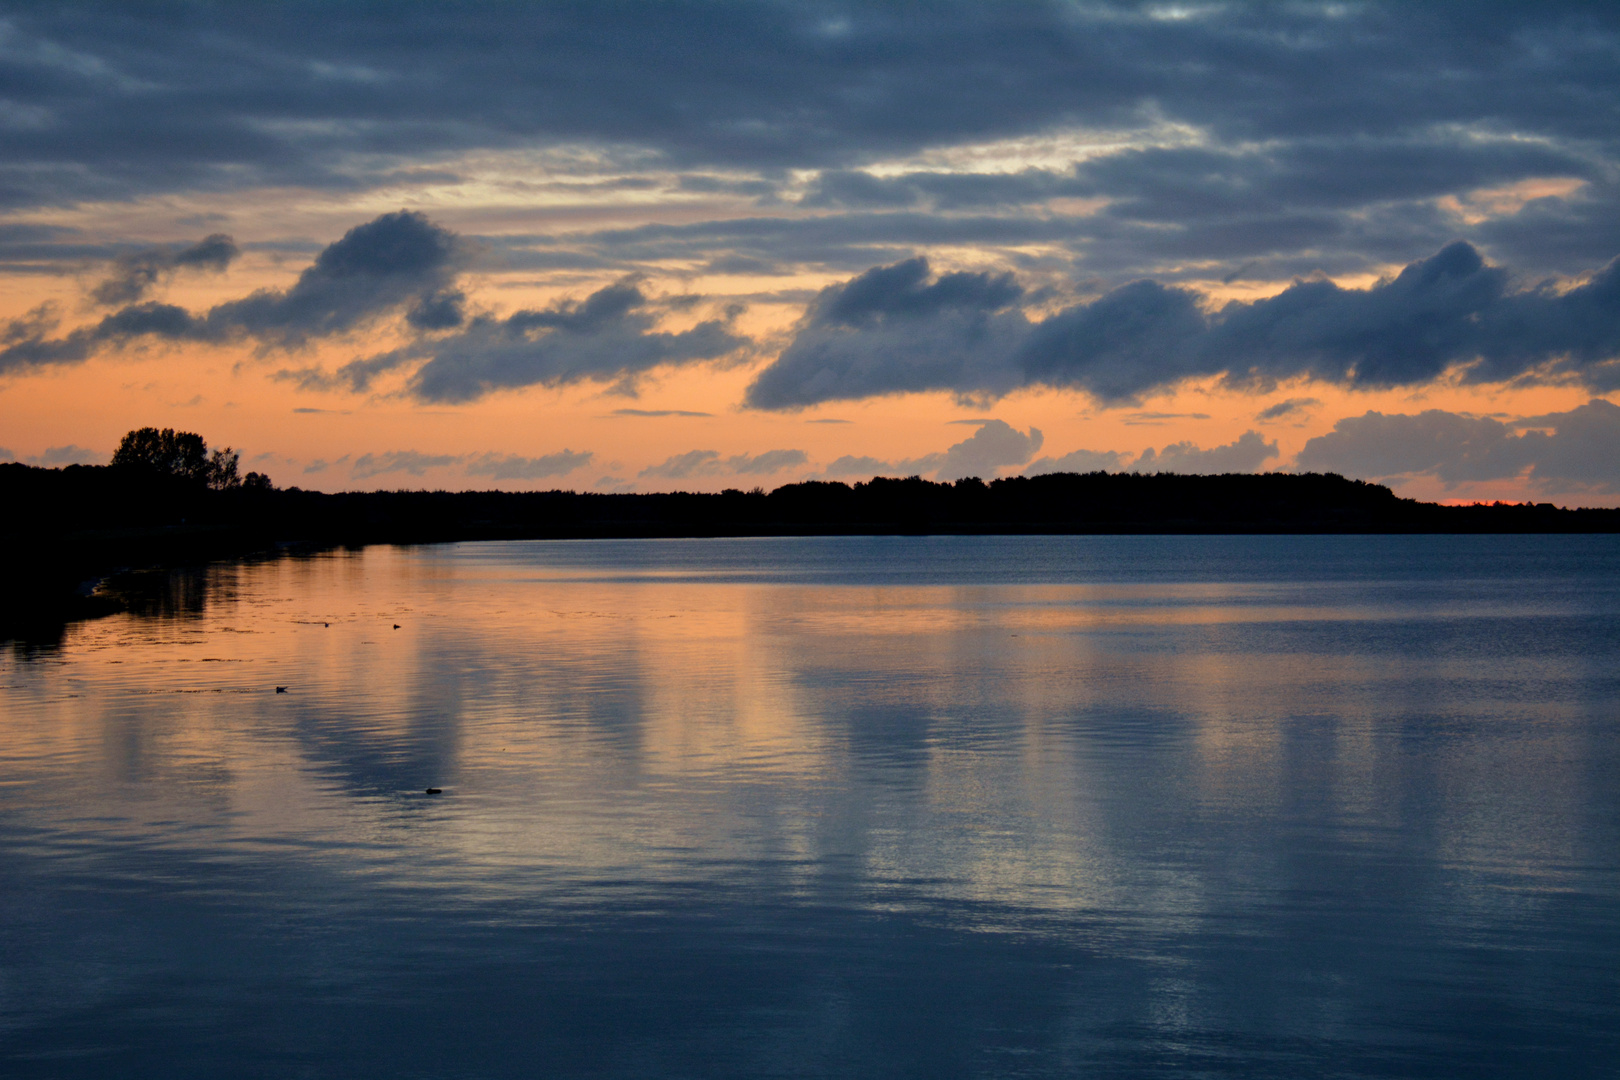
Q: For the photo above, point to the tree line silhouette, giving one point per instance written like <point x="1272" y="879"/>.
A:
<point x="166" y="499"/>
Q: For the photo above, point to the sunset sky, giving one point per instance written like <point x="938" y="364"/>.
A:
<point x="668" y="246"/>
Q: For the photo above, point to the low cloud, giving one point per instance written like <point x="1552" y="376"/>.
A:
<point x="513" y="467"/>
<point x="394" y="260"/>
<point x="406" y="461"/>
<point x="658" y="412"/>
<point x="771" y="461"/>
<point x="70" y="454"/>
<point x="1573" y="451"/>
<point x="696" y="463"/>
<point x="399" y="262"/>
<point x="895" y="330"/>
<point x="858" y="465"/>
<point x="1245" y="454"/>
<point x="681" y="466"/>
<point x="137" y="273"/>
<point x="995" y="446"/>
<point x="607" y="336"/>
<point x="1078" y="461"/>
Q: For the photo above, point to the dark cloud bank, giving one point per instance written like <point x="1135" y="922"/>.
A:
<point x="1326" y="134"/>
<point x="142" y="96"/>
<point x="895" y="329"/>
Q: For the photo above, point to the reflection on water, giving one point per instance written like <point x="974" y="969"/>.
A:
<point x="852" y="806"/>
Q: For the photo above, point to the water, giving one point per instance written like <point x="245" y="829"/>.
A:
<point x="931" y="807"/>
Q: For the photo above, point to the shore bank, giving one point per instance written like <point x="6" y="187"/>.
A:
<point x="72" y="533"/>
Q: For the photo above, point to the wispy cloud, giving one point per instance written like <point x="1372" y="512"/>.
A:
<point x="701" y="463"/>
<point x="56" y="456"/>
<point x="1287" y="408"/>
<point x="407" y="461"/>
<point x="514" y="467"/>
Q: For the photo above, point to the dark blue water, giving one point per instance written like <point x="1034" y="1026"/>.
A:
<point x="930" y="807"/>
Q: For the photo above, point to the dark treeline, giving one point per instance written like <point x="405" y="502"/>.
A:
<point x="63" y="527"/>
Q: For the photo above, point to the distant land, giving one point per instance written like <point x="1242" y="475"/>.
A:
<point x="67" y="529"/>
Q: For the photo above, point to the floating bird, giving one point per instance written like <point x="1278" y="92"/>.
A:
<point x="281" y="689"/>
<point x="435" y="791"/>
<point x="327" y="625"/>
<point x="396" y="626"/>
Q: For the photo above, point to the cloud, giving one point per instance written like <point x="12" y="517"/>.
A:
<point x="681" y="466"/>
<point x="68" y="455"/>
<point x="658" y="412"/>
<point x="771" y="461"/>
<point x="1578" y="450"/>
<point x="513" y="467"/>
<point x="6" y="454"/>
<point x="1078" y="461"/>
<point x="441" y="310"/>
<point x="856" y="465"/>
<point x="136" y="273"/>
<point x="1245" y="454"/>
<point x="407" y="461"/>
<point x="1289" y="407"/>
<point x="345" y="98"/>
<point x="698" y="463"/>
<point x="1262" y="142"/>
<point x="994" y="446"/>
<point x="1162" y="417"/>
<point x="388" y="262"/>
<point x="1138" y="154"/>
<point x="1451" y="313"/>
<point x="609" y="335"/>
<point x="896" y="328"/>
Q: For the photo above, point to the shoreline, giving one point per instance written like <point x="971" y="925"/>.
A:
<point x="75" y="532"/>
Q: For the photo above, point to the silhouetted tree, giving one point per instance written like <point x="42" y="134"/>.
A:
<point x="182" y="455"/>
<point x="222" y="474"/>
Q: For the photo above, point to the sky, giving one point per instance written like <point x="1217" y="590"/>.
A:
<point x="687" y="246"/>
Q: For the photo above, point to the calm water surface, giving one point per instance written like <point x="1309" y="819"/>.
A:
<point x="931" y="807"/>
